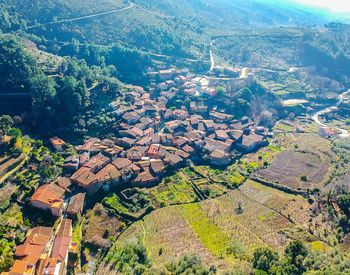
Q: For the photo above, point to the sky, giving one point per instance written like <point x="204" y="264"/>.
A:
<point x="332" y="5"/>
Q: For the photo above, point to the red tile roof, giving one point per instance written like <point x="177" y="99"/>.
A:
<point x="63" y="240"/>
<point x="76" y="204"/>
<point x="48" y="194"/>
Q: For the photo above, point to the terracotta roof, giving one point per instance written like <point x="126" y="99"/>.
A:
<point x="195" y="134"/>
<point x="146" y="120"/>
<point x="173" y="159"/>
<point x="108" y="173"/>
<point x="125" y="141"/>
<point x="30" y="252"/>
<point x="157" y="166"/>
<point x="180" y="141"/>
<point x="63" y="240"/>
<point x="183" y="154"/>
<point x="251" y="140"/>
<point x="113" y="151"/>
<point x="220" y="116"/>
<point x="144" y="177"/>
<point x="48" y="194"/>
<point x="96" y="161"/>
<point x="56" y="141"/>
<point x="144" y="141"/>
<point x="218" y="154"/>
<point x="76" y="204"/>
<point x="136" y="153"/>
<point x="131" y="116"/>
<point x="153" y="150"/>
<point x="208" y="123"/>
<point x="211" y="145"/>
<point x="21" y="267"/>
<point x="63" y="182"/>
<point x="188" y="149"/>
<point x="89" y="143"/>
<point x="221" y="134"/>
<point x="120" y="163"/>
<point x="137" y="132"/>
<point x="236" y="134"/>
<point x="84" y="177"/>
<point x="48" y="266"/>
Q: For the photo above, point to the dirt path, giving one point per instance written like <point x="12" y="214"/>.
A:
<point x="83" y="17"/>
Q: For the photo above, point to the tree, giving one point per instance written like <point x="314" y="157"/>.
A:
<point x="15" y="132"/>
<point x="191" y="264"/>
<point x="17" y="66"/>
<point x="6" y="122"/>
<point x="264" y="258"/>
<point x="74" y="97"/>
<point x="5" y="23"/>
<point x="43" y="92"/>
<point x="131" y="258"/>
<point x="344" y="203"/>
<point x="295" y="253"/>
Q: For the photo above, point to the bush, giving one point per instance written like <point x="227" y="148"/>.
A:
<point x="131" y="258"/>
<point x="190" y="265"/>
<point x="264" y="258"/>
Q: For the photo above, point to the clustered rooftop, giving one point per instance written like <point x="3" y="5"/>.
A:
<point x="151" y="141"/>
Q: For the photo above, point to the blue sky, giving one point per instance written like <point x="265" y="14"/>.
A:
<point x="332" y="5"/>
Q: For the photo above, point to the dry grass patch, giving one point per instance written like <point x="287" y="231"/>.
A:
<point x="306" y="164"/>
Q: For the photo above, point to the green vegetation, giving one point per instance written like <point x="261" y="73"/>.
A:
<point x="51" y="95"/>
<point x="220" y="214"/>
<point x="208" y="233"/>
<point x="131" y="258"/>
<point x="298" y="259"/>
<point x="191" y="264"/>
<point x="174" y="190"/>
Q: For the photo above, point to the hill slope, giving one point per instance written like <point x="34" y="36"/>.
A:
<point x="153" y="25"/>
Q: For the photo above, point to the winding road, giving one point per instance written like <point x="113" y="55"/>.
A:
<point x="83" y="17"/>
<point x="316" y="117"/>
<point x="212" y="60"/>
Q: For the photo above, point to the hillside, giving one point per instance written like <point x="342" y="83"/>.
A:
<point x="127" y="34"/>
<point x="173" y="137"/>
<point x="153" y="25"/>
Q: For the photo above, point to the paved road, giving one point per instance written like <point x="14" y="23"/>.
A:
<point x="316" y="117"/>
<point x="83" y="17"/>
<point x="212" y="60"/>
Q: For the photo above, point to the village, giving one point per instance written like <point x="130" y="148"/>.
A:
<point x="153" y="140"/>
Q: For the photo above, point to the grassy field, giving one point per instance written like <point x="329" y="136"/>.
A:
<point x="175" y="190"/>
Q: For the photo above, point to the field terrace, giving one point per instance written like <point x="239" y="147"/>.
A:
<point x="305" y="164"/>
<point x="153" y="139"/>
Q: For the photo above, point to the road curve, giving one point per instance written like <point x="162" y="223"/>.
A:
<point x="83" y="17"/>
<point x="316" y="117"/>
<point x="212" y="60"/>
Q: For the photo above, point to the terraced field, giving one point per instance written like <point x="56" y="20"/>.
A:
<point x="306" y="164"/>
<point x="251" y="216"/>
<point x="7" y="164"/>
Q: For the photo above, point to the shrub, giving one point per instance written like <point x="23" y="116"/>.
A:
<point x="264" y="258"/>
